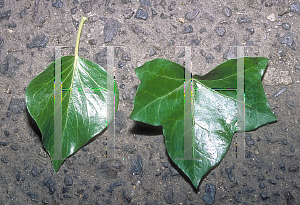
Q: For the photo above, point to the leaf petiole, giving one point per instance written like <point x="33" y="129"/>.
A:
<point x="83" y="19"/>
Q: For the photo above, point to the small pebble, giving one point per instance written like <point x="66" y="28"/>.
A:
<point x="127" y="197"/>
<point x="218" y="48"/>
<point x="190" y="16"/>
<point x="293" y="168"/>
<point x="18" y="177"/>
<point x="174" y="172"/>
<point x="230" y="174"/>
<point x="12" y="25"/>
<point x="49" y="182"/>
<point x="23" y="13"/>
<point x="169" y="196"/>
<point x="102" y="18"/>
<point x="65" y="189"/>
<point x="112" y="186"/>
<point x="286" y="26"/>
<point x="202" y="53"/>
<point x="282" y="166"/>
<point x="145" y="2"/>
<point x="188" y="29"/>
<point x="279" y="92"/>
<point x="249" y="140"/>
<point x="141" y="14"/>
<point x="75" y="23"/>
<point x="271" y="17"/>
<point x="271" y="181"/>
<point x="68" y="180"/>
<point x="163" y="16"/>
<point x="35" y="172"/>
<point x="249" y="189"/>
<point x="14" y="147"/>
<point x="268" y="4"/>
<point x="158" y="174"/>
<point x="92" y="42"/>
<point x="237" y="198"/>
<point x="137" y="166"/>
<point x="96" y="188"/>
<point x="284" y="141"/>
<point x="87" y="6"/>
<point x="202" y="30"/>
<point x="244" y="19"/>
<point x="260" y="176"/>
<point x="6" y="133"/>
<point x="122" y="86"/>
<point x="38" y="42"/>
<point x="57" y="4"/>
<point x="295" y="7"/>
<point x="73" y="10"/>
<point x="290" y="199"/>
<point x="290" y="104"/>
<point x="154" y="13"/>
<point x="121" y="64"/>
<point x="251" y="30"/>
<point x="220" y="31"/>
<point x="227" y="11"/>
<point x="110" y="29"/>
<point x="209" y="58"/>
<point x="287" y="39"/>
<point x="3" y="143"/>
<point x="248" y="154"/>
<point x="5" y="15"/>
<point x="210" y="191"/>
<point x="126" y="57"/>
<point x="125" y="1"/>
<point x="265" y="196"/>
<point x="261" y="185"/>
<point x="276" y="193"/>
<point x="128" y="13"/>
<point x="152" y="53"/>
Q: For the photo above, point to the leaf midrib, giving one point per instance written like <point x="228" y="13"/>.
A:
<point x="224" y="77"/>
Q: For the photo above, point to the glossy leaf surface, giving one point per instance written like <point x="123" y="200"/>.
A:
<point x="84" y="104"/>
<point x="160" y="101"/>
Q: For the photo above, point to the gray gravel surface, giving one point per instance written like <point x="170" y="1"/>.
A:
<point x="142" y="172"/>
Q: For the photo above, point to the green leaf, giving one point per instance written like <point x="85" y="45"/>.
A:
<point x="83" y="106"/>
<point x="160" y="101"/>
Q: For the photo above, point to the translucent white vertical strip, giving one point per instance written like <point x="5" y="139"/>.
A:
<point x="240" y="140"/>
<point x="57" y="106"/>
<point x="110" y="101"/>
<point x="188" y="121"/>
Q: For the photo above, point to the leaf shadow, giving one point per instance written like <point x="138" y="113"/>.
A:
<point x="141" y="128"/>
<point x="33" y="125"/>
<point x="196" y="190"/>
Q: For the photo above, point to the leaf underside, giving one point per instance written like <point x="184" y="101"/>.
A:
<point x="160" y="101"/>
<point x="84" y="104"/>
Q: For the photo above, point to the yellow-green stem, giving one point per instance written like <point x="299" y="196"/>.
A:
<point x="78" y="35"/>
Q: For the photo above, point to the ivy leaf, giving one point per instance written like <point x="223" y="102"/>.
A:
<point x="83" y="104"/>
<point x="160" y="101"/>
